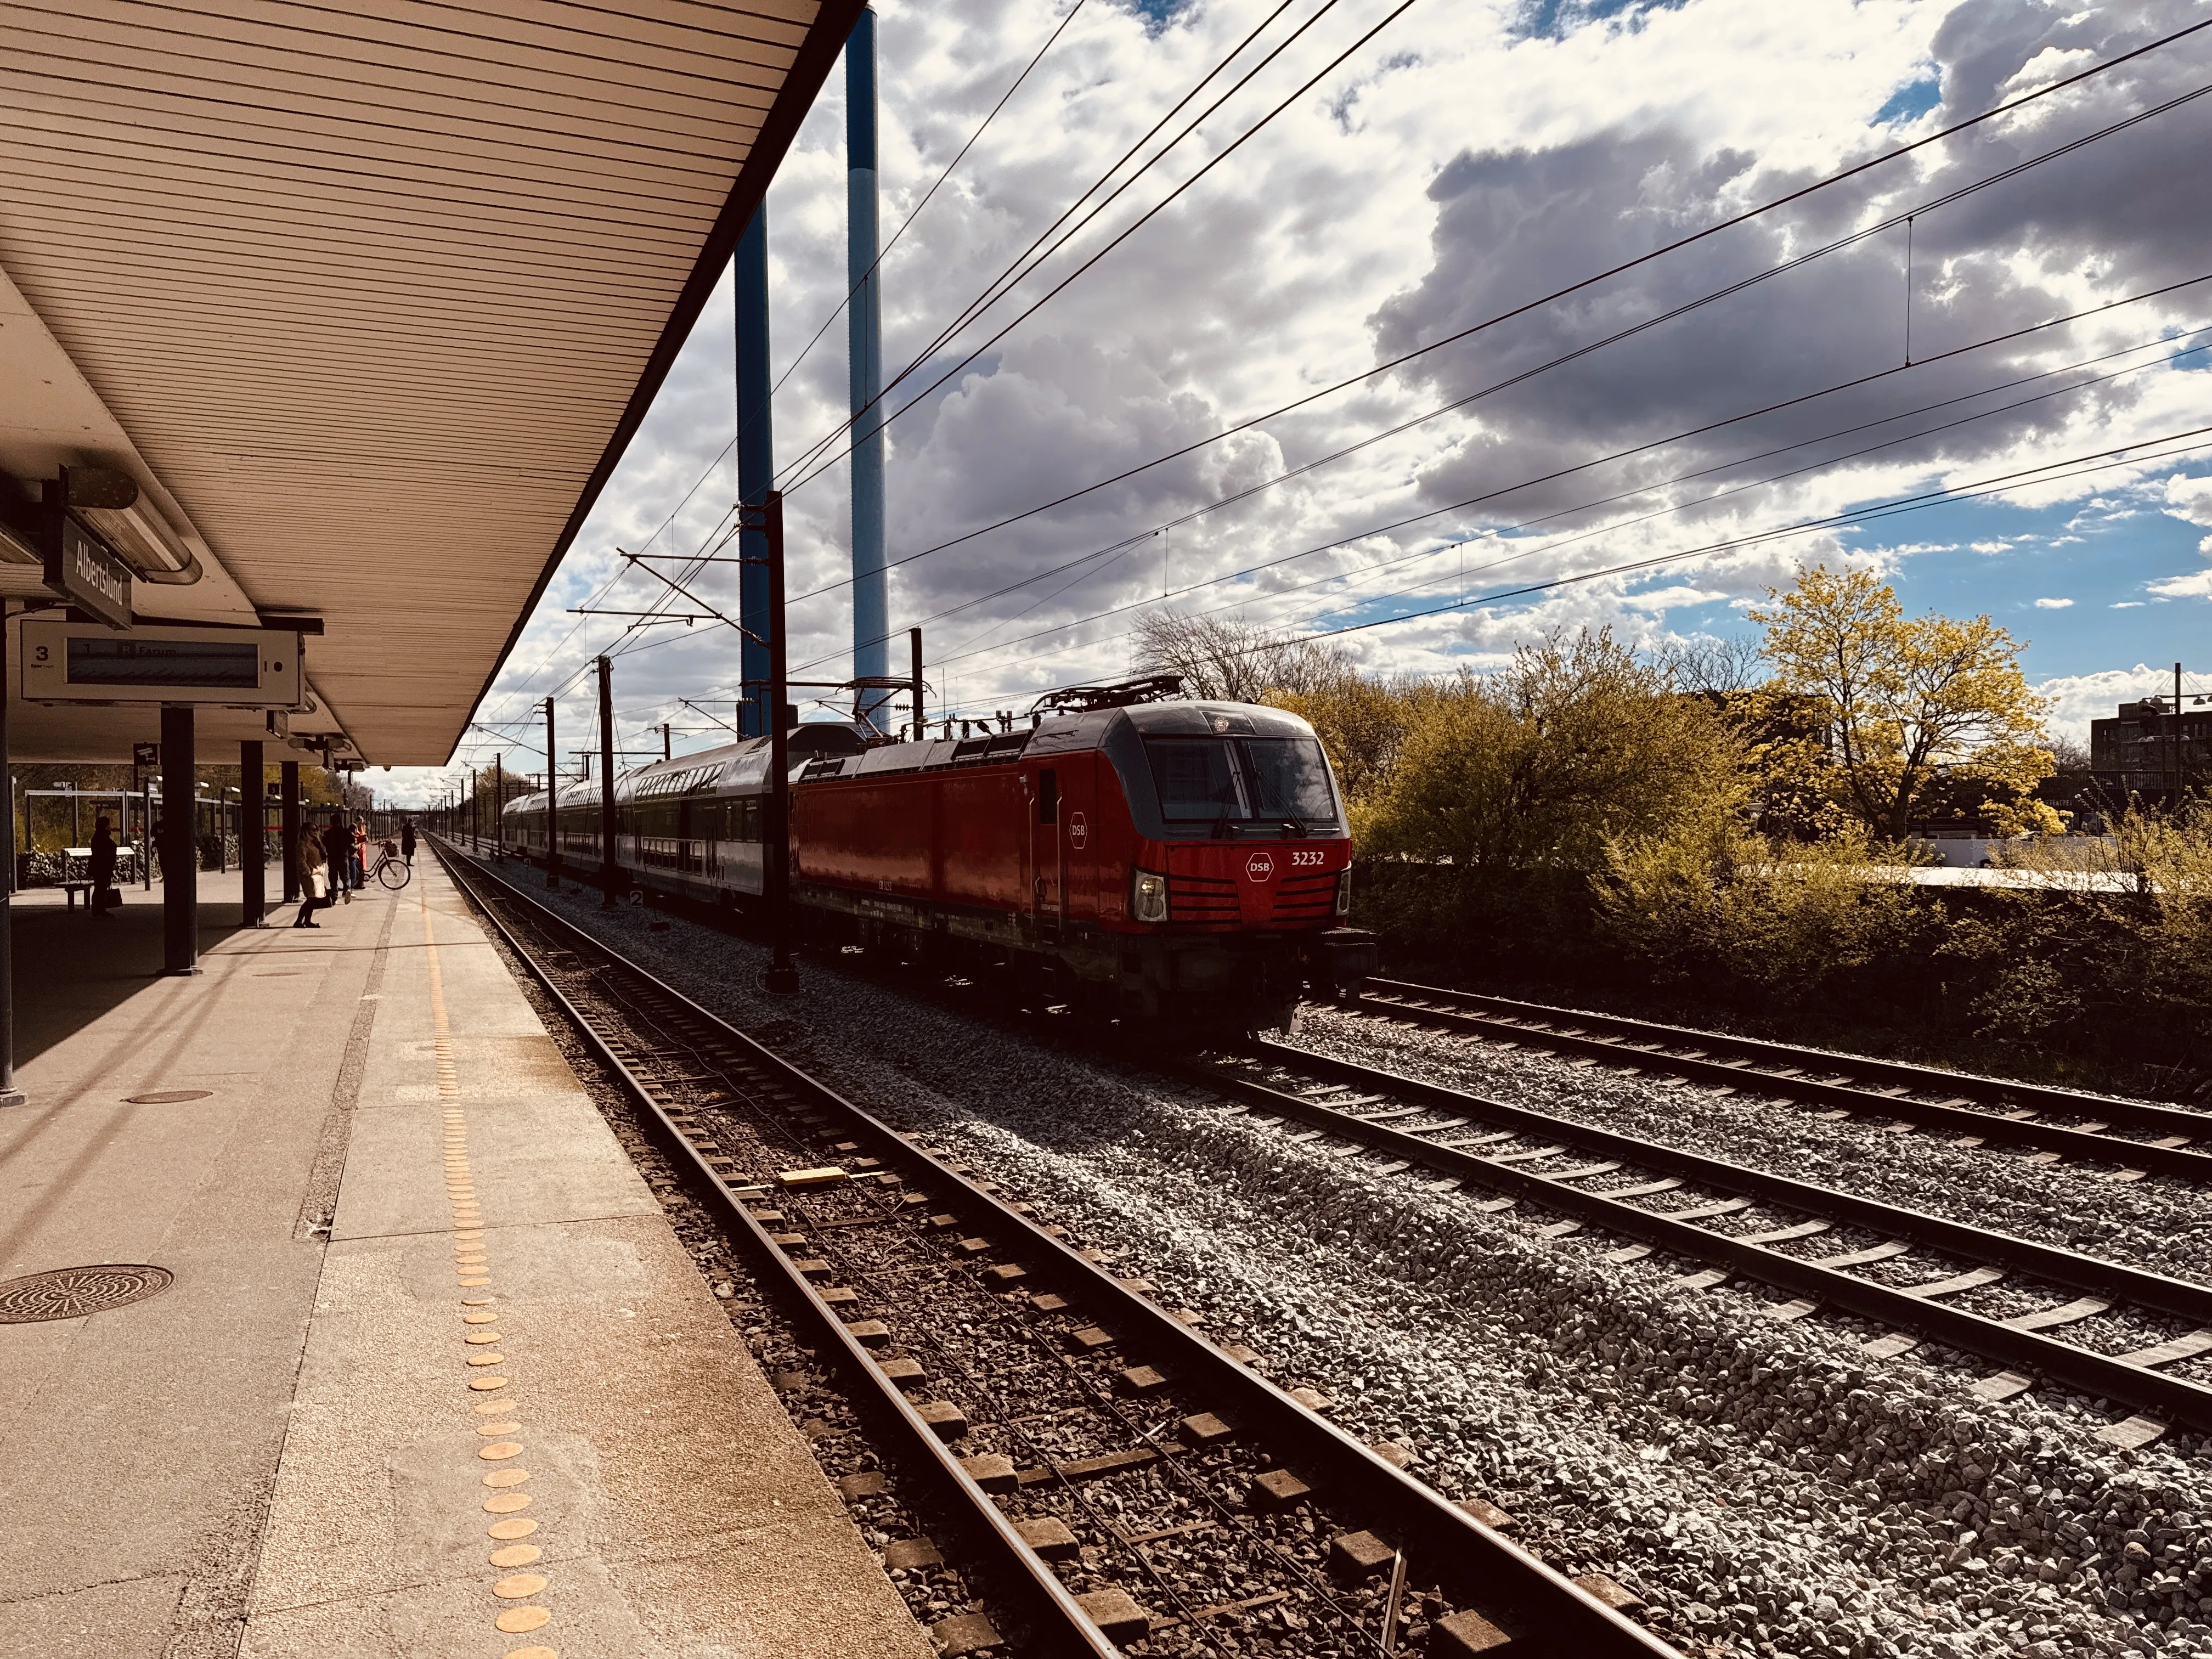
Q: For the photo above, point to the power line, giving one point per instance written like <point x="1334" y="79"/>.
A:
<point x="1622" y="455"/>
<point x="1548" y="547"/>
<point x="1506" y="316"/>
<point x="1680" y="243"/>
<point x="840" y="309"/>
<point x="1909" y="504"/>
<point x="1141" y="220"/>
<point x="1835" y="460"/>
<point x="1014" y="271"/>
<point x="1138" y="538"/>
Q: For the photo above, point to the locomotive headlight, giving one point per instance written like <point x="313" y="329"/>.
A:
<point x="1148" y="897"/>
<point x="1344" y="892"/>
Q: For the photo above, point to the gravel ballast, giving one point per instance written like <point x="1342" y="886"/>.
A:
<point x="1759" y="1484"/>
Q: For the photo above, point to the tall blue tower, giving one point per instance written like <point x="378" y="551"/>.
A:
<point x="865" y="346"/>
<point x="755" y="467"/>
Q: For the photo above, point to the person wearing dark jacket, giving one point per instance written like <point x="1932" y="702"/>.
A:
<point x="407" y="842"/>
<point x="103" y="868"/>
<point x="338" y="854"/>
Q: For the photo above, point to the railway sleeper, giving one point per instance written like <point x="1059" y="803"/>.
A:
<point x="2017" y="1342"/>
<point x="1516" y="1593"/>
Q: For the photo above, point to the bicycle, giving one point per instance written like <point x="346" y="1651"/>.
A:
<point x="391" y="869"/>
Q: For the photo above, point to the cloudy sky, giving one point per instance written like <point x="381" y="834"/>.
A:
<point x="1468" y="159"/>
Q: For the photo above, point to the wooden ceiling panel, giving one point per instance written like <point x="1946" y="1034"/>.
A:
<point x="375" y="294"/>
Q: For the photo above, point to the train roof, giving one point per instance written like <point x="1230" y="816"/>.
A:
<point x="838" y="750"/>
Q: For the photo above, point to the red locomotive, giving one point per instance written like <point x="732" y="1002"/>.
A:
<point x="1176" y="860"/>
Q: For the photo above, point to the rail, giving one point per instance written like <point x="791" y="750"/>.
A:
<point x="1478" y="1568"/>
<point x="2131" y="1381"/>
<point x="1914" y="1094"/>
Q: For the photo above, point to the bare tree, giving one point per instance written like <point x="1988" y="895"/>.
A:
<point x="1706" y="664"/>
<point x="1228" y="659"/>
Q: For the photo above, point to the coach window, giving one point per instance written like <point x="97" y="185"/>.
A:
<point x="1048" y="796"/>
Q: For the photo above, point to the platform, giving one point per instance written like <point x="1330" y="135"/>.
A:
<point x="433" y="1375"/>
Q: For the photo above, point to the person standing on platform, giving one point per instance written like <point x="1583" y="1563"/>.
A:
<point x="407" y="840"/>
<point x="337" y="852"/>
<point x="360" y="852"/>
<point x="314" y="880"/>
<point x="103" y="869"/>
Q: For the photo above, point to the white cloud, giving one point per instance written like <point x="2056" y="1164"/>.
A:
<point x="1381" y="212"/>
<point x="2077" y="699"/>
<point x="2127" y="605"/>
<point x="2190" y="499"/>
<point x="2053" y="604"/>
<point x="2196" y="586"/>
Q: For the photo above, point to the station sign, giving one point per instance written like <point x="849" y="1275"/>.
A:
<point x="81" y="569"/>
<point x="256" y="668"/>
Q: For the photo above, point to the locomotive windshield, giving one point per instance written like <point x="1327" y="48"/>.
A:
<point x="1208" y="780"/>
<point x="1288" y="777"/>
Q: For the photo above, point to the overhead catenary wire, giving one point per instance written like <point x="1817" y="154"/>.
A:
<point x="1706" y="500"/>
<point x="1680" y="243"/>
<point x="1556" y="474"/>
<point x="820" y="466"/>
<point x="1138" y="538"/>
<point x="1202" y="84"/>
<point x="1037" y="58"/>
<point x="1546" y="547"/>
<point x="2101" y="460"/>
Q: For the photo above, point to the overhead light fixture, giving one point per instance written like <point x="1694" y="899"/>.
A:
<point x="111" y="503"/>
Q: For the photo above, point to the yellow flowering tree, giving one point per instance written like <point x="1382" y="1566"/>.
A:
<point x="1914" y="701"/>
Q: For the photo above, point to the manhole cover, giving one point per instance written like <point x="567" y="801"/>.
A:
<point x="167" y="1097"/>
<point x="73" y="1293"/>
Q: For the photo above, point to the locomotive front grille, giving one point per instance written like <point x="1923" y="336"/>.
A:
<point x="1306" y="898"/>
<point x="1202" y="900"/>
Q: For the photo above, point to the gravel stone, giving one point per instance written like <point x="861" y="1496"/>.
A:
<point x="1762" y="1486"/>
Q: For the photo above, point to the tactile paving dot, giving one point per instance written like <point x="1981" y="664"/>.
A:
<point x="500" y="1450"/>
<point x="487" y="1384"/>
<point x="521" y="1527"/>
<point x="506" y="1502"/>
<point x="507" y="1477"/>
<point x="518" y="1586"/>
<point x="517" y="1620"/>
<point x="498" y="1428"/>
<point x="478" y="1318"/>
<point x="531" y="1653"/>
<point x="515" y="1555"/>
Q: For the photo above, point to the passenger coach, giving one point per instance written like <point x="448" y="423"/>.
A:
<point x="1179" y="860"/>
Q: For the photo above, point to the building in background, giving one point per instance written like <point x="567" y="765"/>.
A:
<point x="2134" y="753"/>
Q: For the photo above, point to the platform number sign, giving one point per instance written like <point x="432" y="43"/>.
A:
<point x="1261" y="867"/>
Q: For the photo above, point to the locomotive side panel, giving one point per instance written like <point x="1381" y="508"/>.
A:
<point x="982" y="819"/>
<point x="880" y="835"/>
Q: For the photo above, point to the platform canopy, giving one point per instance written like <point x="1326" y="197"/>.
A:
<point x="368" y="300"/>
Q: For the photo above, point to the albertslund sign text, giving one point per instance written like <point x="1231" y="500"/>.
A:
<point x="81" y="569"/>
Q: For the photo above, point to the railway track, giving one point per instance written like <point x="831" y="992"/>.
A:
<point x="1907" y="1271"/>
<point x="1130" y="1485"/>
<point x="2058" y="1123"/>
